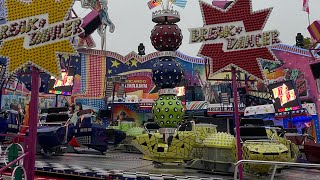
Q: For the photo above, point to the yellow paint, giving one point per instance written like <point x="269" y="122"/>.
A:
<point x="134" y="62"/>
<point x="315" y="30"/>
<point x="115" y="63"/>
<point x="43" y="57"/>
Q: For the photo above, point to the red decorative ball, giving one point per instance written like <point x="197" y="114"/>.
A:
<point x="166" y="37"/>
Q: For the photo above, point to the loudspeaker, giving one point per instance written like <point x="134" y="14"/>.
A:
<point x="315" y="68"/>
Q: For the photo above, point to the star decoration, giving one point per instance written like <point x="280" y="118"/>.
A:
<point x="115" y="63"/>
<point x="239" y="30"/>
<point x="43" y="57"/>
<point x="128" y="63"/>
<point x="243" y="60"/>
<point x="134" y="63"/>
<point x="65" y="57"/>
<point x="109" y="71"/>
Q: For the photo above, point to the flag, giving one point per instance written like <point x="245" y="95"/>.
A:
<point x="306" y="6"/>
<point x="180" y="3"/>
<point x="154" y="3"/>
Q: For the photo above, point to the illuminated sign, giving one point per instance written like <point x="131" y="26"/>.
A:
<point x="36" y="31"/>
<point x="138" y="81"/>
<point x="285" y="96"/>
<point x="180" y="91"/>
<point x="233" y="36"/>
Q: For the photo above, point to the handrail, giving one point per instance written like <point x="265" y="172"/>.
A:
<point x="13" y="135"/>
<point x="13" y="162"/>
<point x="7" y="149"/>
<point x="14" y="171"/>
<point x="275" y="163"/>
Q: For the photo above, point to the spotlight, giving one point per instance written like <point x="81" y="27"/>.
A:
<point x="141" y="49"/>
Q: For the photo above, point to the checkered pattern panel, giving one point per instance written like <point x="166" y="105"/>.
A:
<point x="98" y="103"/>
<point x="92" y="172"/>
<point x="83" y="74"/>
<point x="84" y="139"/>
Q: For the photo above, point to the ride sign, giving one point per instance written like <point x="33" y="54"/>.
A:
<point x="233" y="36"/>
<point x="36" y="32"/>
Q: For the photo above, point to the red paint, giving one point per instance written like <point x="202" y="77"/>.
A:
<point x="236" y="119"/>
<point x="253" y="21"/>
<point x="139" y="83"/>
<point x="32" y="137"/>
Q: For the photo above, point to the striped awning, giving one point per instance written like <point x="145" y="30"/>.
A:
<point x="197" y="105"/>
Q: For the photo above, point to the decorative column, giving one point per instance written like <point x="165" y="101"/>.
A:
<point x="166" y="37"/>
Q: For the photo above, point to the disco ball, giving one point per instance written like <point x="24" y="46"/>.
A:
<point x="166" y="37"/>
<point x="168" y="111"/>
<point x="167" y="73"/>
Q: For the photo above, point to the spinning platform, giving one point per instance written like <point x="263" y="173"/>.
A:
<point x="128" y="165"/>
<point x="115" y="164"/>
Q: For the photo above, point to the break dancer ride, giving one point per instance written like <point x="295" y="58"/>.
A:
<point x="168" y="111"/>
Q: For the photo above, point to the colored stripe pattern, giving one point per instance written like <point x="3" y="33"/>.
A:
<point x="92" y="78"/>
<point x="196" y="105"/>
<point x="96" y="77"/>
<point x="140" y="59"/>
<point x="314" y="30"/>
<point x="83" y="74"/>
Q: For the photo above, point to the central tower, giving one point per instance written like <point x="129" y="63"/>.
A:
<point x="166" y="37"/>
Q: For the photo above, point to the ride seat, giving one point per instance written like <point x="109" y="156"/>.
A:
<point x="253" y="133"/>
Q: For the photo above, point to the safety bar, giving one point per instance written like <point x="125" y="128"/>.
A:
<point x="275" y="163"/>
<point x="13" y="162"/>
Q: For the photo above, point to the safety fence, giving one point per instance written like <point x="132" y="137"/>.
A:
<point x="12" y="161"/>
<point x="275" y="163"/>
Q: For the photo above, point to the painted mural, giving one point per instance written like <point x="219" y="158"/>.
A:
<point x="139" y="75"/>
<point x="131" y="112"/>
<point x="280" y="72"/>
<point x="93" y="66"/>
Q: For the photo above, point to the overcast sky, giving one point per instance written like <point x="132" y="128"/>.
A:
<point x="132" y="19"/>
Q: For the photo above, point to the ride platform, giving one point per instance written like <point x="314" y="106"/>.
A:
<point x="129" y="166"/>
<point x="116" y="164"/>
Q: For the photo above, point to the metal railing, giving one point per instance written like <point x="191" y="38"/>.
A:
<point x="275" y="163"/>
<point x="19" y="160"/>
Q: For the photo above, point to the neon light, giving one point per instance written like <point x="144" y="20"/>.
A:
<point x="289" y="109"/>
<point x="60" y="92"/>
<point x="284" y="94"/>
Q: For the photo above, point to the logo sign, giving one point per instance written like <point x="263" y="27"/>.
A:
<point x="136" y="83"/>
<point x="36" y="32"/>
<point x="233" y="36"/>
